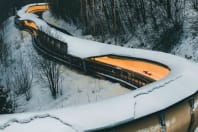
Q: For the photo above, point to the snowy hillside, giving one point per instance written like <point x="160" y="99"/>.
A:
<point x="186" y="46"/>
<point x="133" y="102"/>
<point x="75" y="88"/>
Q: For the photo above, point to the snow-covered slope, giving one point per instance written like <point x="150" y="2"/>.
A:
<point x="76" y="88"/>
<point x="109" y="112"/>
<point x="187" y="47"/>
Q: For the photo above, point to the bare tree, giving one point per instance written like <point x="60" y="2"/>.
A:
<point x="150" y="21"/>
<point x="22" y="78"/>
<point x="195" y="4"/>
<point x="3" y="48"/>
<point x="50" y="72"/>
<point x="17" y="80"/>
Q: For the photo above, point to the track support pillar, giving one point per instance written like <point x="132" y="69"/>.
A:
<point x="163" y="121"/>
<point x="192" y="103"/>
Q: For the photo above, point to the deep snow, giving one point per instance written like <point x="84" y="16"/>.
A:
<point x="76" y="88"/>
<point x="177" y="50"/>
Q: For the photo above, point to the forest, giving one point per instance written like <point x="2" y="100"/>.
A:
<point x="157" y="22"/>
<point x="154" y="22"/>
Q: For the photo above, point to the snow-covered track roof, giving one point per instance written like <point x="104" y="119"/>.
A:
<point x="180" y="84"/>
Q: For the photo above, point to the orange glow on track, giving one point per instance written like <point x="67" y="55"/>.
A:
<point x="37" y="8"/>
<point x="31" y="24"/>
<point x="145" y="68"/>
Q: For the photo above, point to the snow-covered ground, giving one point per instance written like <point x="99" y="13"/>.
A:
<point x="76" y="88"/>
<point x="187" y="46"/>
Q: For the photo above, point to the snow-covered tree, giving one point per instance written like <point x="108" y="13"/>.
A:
<point x="50" y="73"/>
<point x="149" y="20"/>
<point x="195" y="4"/>
<point x="23" y="76"/>
<point x="3" y="48"/>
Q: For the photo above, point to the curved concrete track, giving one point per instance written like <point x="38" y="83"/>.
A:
<point x="165" y="99"/>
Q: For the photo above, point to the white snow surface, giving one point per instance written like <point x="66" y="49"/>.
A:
<point x="178" y="85"/>
<point x="76" y="88"/>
